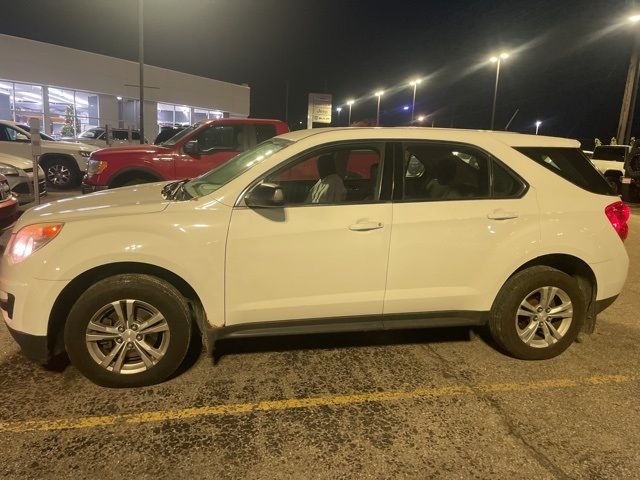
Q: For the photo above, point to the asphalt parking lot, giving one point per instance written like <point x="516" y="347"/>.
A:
<point x="413" y="404"/>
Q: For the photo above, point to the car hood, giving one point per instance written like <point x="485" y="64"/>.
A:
<point x="134" y="200"/>
<point x="48" y="145"/>
<point x="18" y="162"/>
<point x="128" y="150"/>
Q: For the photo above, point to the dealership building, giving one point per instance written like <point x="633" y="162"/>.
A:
<point x="62" y="85"/>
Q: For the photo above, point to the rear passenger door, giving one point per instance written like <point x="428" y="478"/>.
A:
<point x="457" y="214"/>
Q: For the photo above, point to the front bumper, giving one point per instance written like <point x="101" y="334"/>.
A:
<point x="34" y="347"/>
<point x="88" y="188"/>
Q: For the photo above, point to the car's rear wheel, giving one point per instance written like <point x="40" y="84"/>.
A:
<point x="128" y="330"/>
<point x="538" y="313"/>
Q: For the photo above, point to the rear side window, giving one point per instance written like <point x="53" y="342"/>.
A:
<point x="609" y="153"/>
<point x="572" y="165"/>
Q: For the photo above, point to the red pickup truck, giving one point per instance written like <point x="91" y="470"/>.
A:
<point x="188" y="154"/>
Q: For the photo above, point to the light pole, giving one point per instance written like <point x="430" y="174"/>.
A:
<point x="630" y="89"/>
<point x="414" y="84"/>
<point x="141" y="61"/>
<point x="339" y="109"/>
<point x="497" y="60"/>
<point x="538" y="123"/>
<point x="350" y="103"/>
<point x="378" y="94"/>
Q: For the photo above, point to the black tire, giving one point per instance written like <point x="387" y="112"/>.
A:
<point x="143" y="288"/>
<point x="61" y="172"/>
<point x="502" y="318"/>
<point x="615" y="182"/>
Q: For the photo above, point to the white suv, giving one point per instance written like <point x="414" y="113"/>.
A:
<point x="64" y="163"/>
<point x="317" y="231"/>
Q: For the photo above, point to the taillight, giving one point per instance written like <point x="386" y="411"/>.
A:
<point x="618" y="214"/>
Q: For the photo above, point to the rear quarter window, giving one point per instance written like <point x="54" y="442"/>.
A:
<point x="570" y="164"/>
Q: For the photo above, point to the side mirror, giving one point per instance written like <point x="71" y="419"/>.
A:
<point x="191" y="147"/>
<point x="266" y="195"/>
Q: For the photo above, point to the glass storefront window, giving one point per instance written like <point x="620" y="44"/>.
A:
<point x="6" y="101"/>
<point x="200" y="114"/>
<point x="72" y="112"/>
<point x="170" y="115"/>
<point x="87" y="110"/>
<point x="28" y="102"/>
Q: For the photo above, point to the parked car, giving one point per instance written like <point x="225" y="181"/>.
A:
<point x="98" y="136"/>
<point x="517" y="232"/>
<point x="63" y="163"/>
<point x="192" y="152"/>
<point x="609" y="159"/>
<point x="18" y="172"/>
<point x="8" y="205"/>
<point x="168" y="132"/>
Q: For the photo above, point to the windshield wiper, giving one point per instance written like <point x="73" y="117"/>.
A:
<point x="175" y="190"/>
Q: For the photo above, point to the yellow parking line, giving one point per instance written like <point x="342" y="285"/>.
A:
<point x="310" y="402"/>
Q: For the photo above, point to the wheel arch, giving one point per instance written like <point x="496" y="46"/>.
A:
<point x="134" y="172"/>
<point x="577" y="268"/>
<point x="76" y="287"/>
<point x="46" y="157"/>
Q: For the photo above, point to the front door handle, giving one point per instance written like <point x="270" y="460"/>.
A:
<point x="501" y="214"/>
<point x="365" y="226"/>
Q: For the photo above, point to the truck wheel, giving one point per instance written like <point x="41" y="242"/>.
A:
<point x="538" y="313"/>
<point x="128" y="330"/>
<point x="61" y="172"/>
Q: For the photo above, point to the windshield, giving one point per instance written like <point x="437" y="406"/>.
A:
<point x="214" y="179"/>
<point x="91" y="133"/>
<point x="179" y="136"/>
<point x="43" y="136"/>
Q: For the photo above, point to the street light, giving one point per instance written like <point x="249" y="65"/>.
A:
<point x="538" y="123"/>
<point x="420" y="118"/>
<point x="414" y="84"/>
<point x="497" y="60"/>
<point x="634" y="18"/>
<point x="350" y="103"/>
<point x="378" y="94"/>
<point x="339" y="109"/>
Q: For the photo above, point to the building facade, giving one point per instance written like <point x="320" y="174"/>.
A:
<point x="72" y="90"/>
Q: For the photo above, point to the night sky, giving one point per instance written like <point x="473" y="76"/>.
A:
<point x="568" y="65"/>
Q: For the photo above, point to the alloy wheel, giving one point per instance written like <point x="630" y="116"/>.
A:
<point x="127" y="336"/>
<point x="59" y="175"/>
<point x="544" y="317"/>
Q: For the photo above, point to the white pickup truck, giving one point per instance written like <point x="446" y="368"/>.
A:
<point x="609" y="159"/>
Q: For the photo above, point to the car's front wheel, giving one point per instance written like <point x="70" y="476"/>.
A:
<point x="61" y="172"/>
<point x="538" y="313"/>
<point x="128" y="330"/>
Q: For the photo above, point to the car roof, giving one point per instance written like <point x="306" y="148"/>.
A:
<point x="428" y="133"/>
<point x="240" y="121"/>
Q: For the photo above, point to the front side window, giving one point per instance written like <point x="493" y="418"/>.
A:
<point x="331" y="176"/>
<point x="220" y="138"/>
<point x="441" y="171"/>
<point x="264" y="132"/>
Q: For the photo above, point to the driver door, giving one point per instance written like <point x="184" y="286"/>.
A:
<point x="319" y="258"/>
<point x="214" y="146"/>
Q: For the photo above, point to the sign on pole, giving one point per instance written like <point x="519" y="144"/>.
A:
<point x="319" y="110"/>
<point x="34" y="126"/>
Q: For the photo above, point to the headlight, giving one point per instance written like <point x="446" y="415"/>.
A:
<point x="30" y="239"/>
<point x="96" y="167"/>
<point x="85" y="154"/>
<point x="8" y="169"/>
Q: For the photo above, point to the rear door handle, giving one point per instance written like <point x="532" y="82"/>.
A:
<point x="365" y="226"/>
<point x="501" y="214"/>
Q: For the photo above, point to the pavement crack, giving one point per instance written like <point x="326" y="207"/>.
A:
<point x="511" y="428"/>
